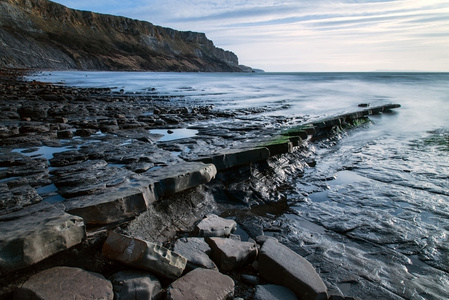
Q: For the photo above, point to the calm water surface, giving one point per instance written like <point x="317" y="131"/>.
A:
<point x="373" y="215"/>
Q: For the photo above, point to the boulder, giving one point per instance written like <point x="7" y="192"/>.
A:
<point x="197" y="252"/>
<point x="229" y="254"/>
<point x="134" y="284"/>
<point x="144" y="255"/>
<point x="215" y="226"/>
<point x="35" y="233"/>
<point x="65" y="283"/>
<point x="282" y="266"/>
<point x="202" y="284"/>
<point x="274" y="292"/>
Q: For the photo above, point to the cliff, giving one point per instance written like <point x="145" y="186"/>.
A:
<point x="45" y="35"/>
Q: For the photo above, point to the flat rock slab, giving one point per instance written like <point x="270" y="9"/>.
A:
<point x="274" y="292"/>
<point x="144" y="255"/>
<point x="35" y="233"/>
<point x="236" y="157"/>
<point x="229" y="254"/>
<point x="197" y="252"/>
<point x="202" y="284"/>
<point x="112" y="205"/>
<point x="215" y="226"/>
<point x="65" y="283"/>
<point x="180" y="177"/>
<point x="134" y="284"/>
<point x="282" y="266"/>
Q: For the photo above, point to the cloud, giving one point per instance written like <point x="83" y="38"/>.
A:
<point x="331" y="34"/>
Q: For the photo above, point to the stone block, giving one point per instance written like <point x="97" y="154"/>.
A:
<point x="197" y="252"/>
<point x="65" y="283"/>
<point x="282" y="266"/>
<point x="237" y="157"/>
<point x="144" y="255"/>
<point x="34" y="233"/>
<point x="180" y="177"/>
<point x="113" y="205"/>
<point x="134" y="284"/>
<point x="229" y="254"/>
<point x="215" y="226"/>
<point x="202" y="284"/>
<point x="280" y="148"/>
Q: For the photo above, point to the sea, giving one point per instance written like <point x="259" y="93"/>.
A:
<point x="373" y="214"/>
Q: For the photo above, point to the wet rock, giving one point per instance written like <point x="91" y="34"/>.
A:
<point x="280" y="148"/>
<point x="197" y="252"/>
<point x="112" y="204"/>
<point x="273" y="292"/>
<point x="250" y="279"/>
<point x="236" y="157"/>
<point x="202" y="284"/>
<point x="35" y="233"/>
<point x="215" y="226"/>
<point x="17" y="193"/>
<point x="65" y="134"/>
<point x="65" y="283"/>
<point x="182" y="176"/>
<point x="280" y="265"/>
<point x="229" y="254"/>
<point x="34" y="128"/>
<point x="134" y="284"/>
<point x="67" y="158"/>
<point x="144" y="255"/>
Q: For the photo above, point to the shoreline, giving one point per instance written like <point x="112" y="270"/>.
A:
<point x="216" y="159"/>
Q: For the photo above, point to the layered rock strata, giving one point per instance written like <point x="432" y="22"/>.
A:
<point x="42" y="34"/>
<point x="110" y="175"/>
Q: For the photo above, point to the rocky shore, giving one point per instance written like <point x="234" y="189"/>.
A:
<point x="95" y="183"/>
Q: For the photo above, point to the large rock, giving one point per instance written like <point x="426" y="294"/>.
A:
<point x="215" y="226"/>
<point x="280" y="265"/>
<point x="113" y="205"/>
<point x="180" y="177"/>
<point x="202" y="284"/>
<point x="237" y="157"/>
<point x="274" y="292"/>
<point x="197" y="252"/>
<point x="65" y="283"/>
<point x="144" y="255"/>
<point x="133" y="284"/>
<point x="35" y="233"/>
<point x="229" y="254"/>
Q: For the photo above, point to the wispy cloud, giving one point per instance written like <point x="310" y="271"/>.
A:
<point x="307" y="35"/>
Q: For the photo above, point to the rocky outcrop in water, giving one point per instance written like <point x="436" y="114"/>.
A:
<point x="44" y="35"/>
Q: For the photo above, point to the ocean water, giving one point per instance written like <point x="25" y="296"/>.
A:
<point x="373" y="215"/>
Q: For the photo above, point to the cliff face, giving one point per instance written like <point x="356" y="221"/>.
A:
<point x="45" y="35"/>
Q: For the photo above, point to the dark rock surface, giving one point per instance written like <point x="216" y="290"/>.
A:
<point x="45" y="35"/>
<point x="113" y="173"/>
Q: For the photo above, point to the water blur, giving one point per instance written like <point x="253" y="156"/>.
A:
<point x="373" y="215"/>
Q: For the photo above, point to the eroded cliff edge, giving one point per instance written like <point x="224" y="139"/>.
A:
<point x="41" y="34"/>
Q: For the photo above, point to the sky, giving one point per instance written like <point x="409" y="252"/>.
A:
<point x="306" y="35"/>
